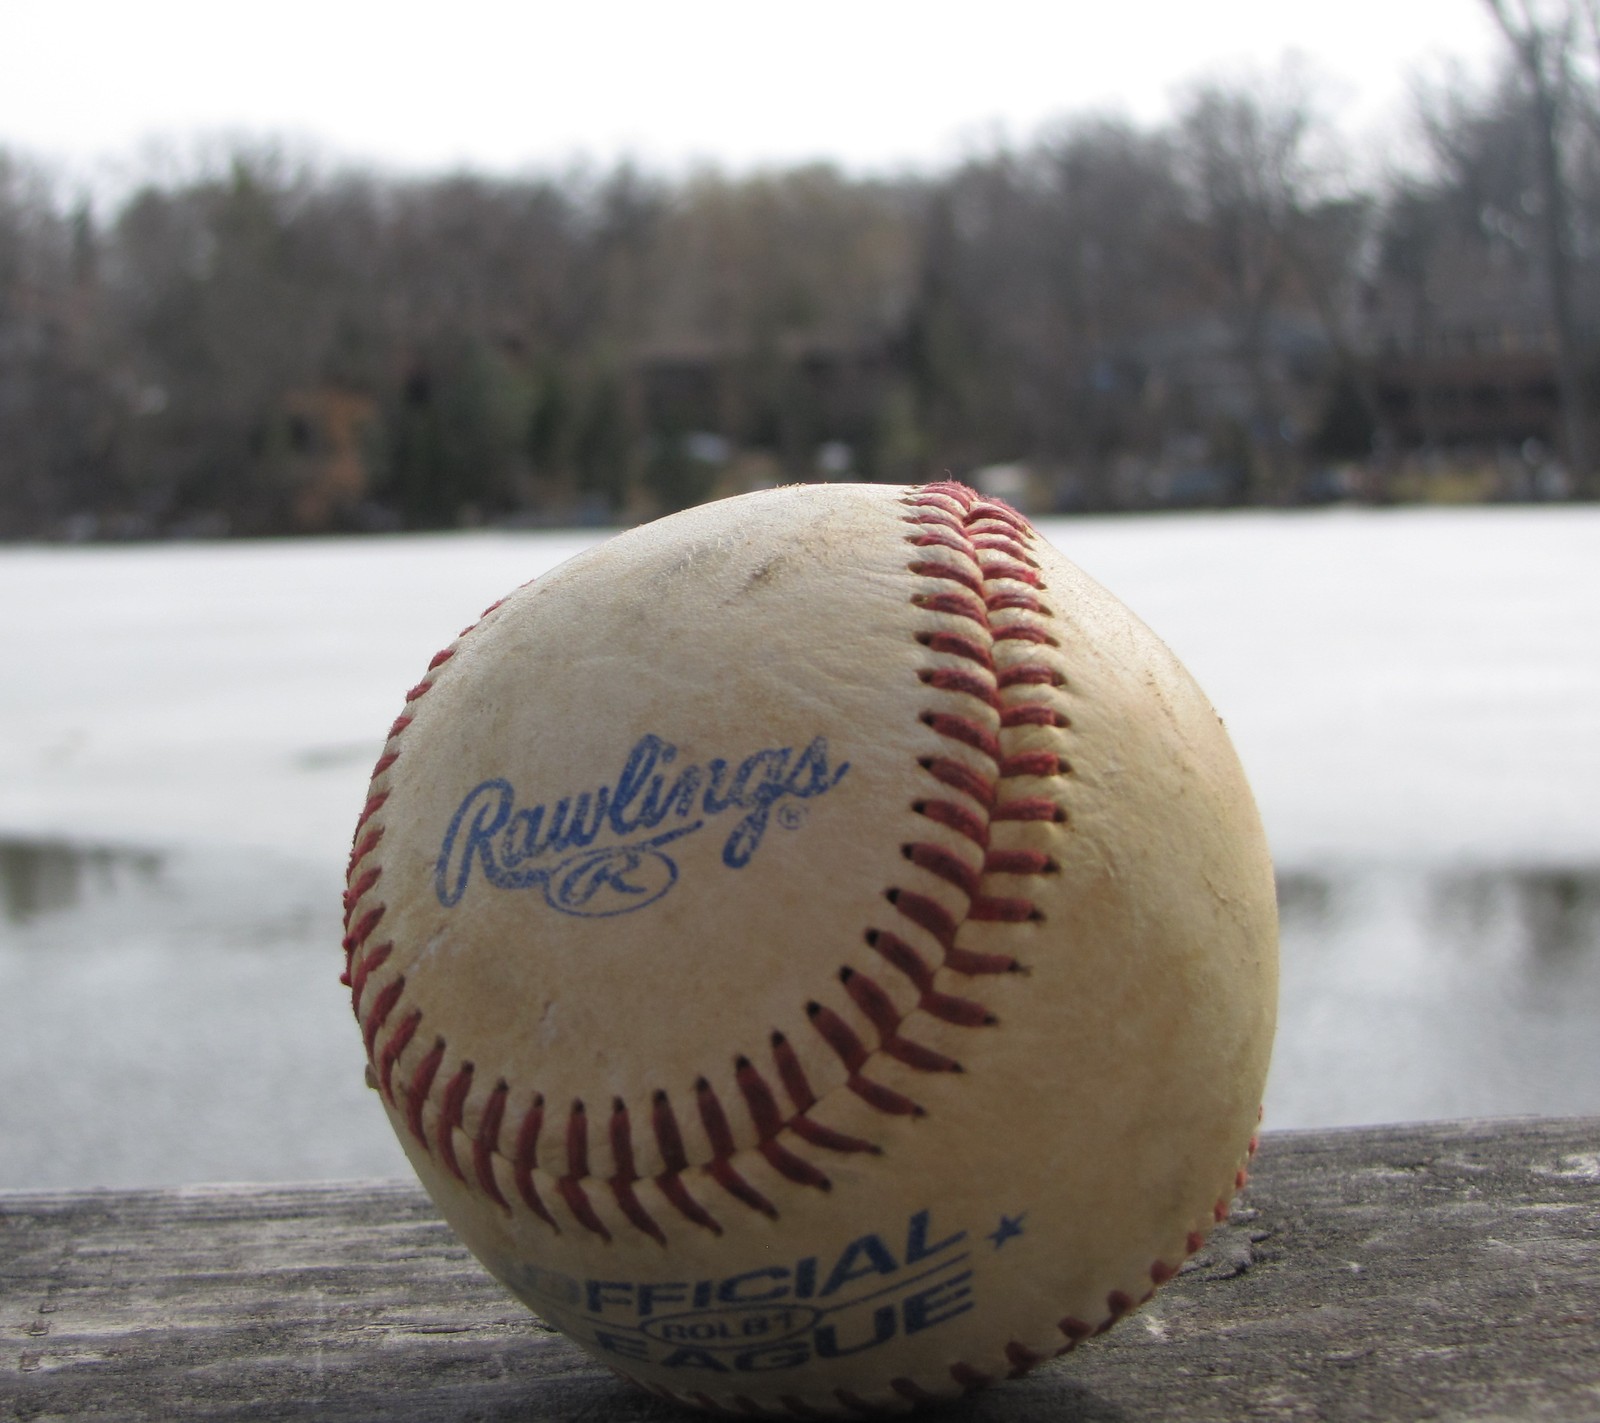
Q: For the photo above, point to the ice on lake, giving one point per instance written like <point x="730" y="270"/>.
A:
<point x="186" y="733"/>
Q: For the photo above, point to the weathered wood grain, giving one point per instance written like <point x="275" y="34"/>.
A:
<point x="1439" y="1271"/>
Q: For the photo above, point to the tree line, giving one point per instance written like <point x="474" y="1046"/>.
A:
<point x="1218" y="309"/>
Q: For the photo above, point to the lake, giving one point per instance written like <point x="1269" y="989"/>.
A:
<point x="186" y="731"/>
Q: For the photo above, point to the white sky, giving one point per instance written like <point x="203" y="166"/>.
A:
<point x="872" y="84"/>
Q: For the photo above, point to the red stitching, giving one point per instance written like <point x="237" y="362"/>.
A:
<point x="669" y="1142"/>
<point x="1029" y="675"/>
<point x="882" y="1099"/>
<point x="1031" y="808"/>
<point x="1015" y="572"/>
<point x="994" y="909"/>
<point x="455" y="1101"/>
<point x="792" y="1074"/>
<point x="963" y="1012"/>
<point x="720" y="1135"/>
<point x="362" y="848"/>
<point x="954" y="645"/>
<point x="1032" y="763"/>
<point x="1021" y="1358"/>
<point x="1075" y="1329"/>
<point x="396" y="1044"/>
<point x="381" y="1009"/>
<point x="577" y="1140"/>
<point x="947" y="865"/>
<point x="986" y="511"/>
<point x="417" y="1092"/>
<point x="838" y="1035"/>
<point x="374" y="959"/>
<point x="947" y="494"/>
<point x="918" y="1056"/>
<point x="570" y="1186"/>
<point x="970" y="963"/>
<point x="841" y="1037"/>
<point x="1023" y="632"/>
<point x="956" y="679"/>
<point x="1018" y="862"/>
<point x="359" y="888"/>
<point x="872" y="1001"/>
<point x="372" y="807"/>
<point x="487" y="1143"/>
<point x="934" y="568"/>
<point x="793" y="1077"/>
<point x="1031" y="714"/>
<point x="829" y="1139"/>
<point x="763" y="1108"/>
<point x="671" y="1186"/>
<point x="912" y="1391"/>
<point x="957" y="605"/>
<point x="903" y="957"/>
<point x="955" y="817"/>
<point x="969" y="733"/>
<point x="940" y="535"/>
<point x="926" y="914"/>
<point x="1007" y="599"/>
<point x="982" y="551"/>
<point x="1119" y="1304"/>
<point x="526" y="1159"/>
<point x="1005" y="543"/>
<point x="961" y="777"/>
<point x="621" y="1183"/>
<point x="364" y="927"/>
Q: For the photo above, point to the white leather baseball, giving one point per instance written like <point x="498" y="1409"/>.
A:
<point x="818" y="949"/>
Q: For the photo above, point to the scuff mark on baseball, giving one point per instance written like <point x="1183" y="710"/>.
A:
<point x="836" y="998"/>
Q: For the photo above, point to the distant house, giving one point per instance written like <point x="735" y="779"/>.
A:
<point x="1462" y="357"/>
<point x="1477" y="397"/>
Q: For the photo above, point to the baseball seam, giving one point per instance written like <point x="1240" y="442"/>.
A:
<point x="985" y="635"/>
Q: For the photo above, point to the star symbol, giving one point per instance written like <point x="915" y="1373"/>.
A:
<point x="1010" y="1225"/>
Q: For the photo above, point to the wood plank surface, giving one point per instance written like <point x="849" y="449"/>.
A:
<point x="1443" y="1271"/>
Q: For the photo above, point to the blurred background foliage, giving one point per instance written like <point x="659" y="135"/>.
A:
<point x="1223" y="309"/>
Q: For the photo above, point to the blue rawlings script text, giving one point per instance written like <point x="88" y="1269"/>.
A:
<point x="601" y="851"/>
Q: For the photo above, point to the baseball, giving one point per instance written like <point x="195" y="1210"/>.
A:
<point x="818" y="950"/>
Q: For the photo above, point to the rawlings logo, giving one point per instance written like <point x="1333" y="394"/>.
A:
<point x="554" y="847"/>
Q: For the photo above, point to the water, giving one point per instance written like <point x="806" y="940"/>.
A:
<point x="177" y="1019"/>
<point x="167" y="1020"/>
<point x="1411" y="994"/>
<point x="185" y="734"/>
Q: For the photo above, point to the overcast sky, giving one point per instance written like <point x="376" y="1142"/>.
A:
<point x="871" y="84"/>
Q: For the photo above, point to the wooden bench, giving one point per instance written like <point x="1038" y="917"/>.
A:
<point x="1438" y="1271"/>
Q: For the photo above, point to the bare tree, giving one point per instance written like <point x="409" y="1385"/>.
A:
<point x="1542" y="40"/>
<point x="1244" y="151"/>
